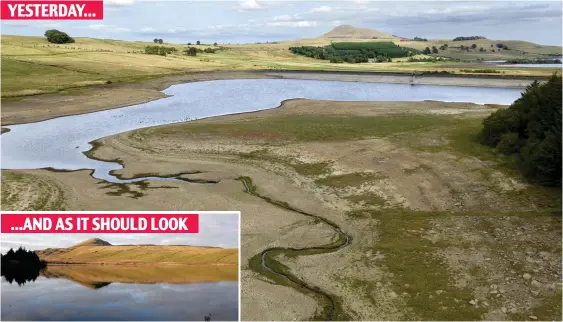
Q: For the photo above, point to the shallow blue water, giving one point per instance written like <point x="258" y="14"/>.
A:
<point x="59" y="143"/>
<point x="532" y="65"/>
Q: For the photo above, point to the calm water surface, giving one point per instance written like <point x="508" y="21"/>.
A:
<point x="64" y="299"/>
<point x="59" y="143"/>
<point x="532" y="65"/>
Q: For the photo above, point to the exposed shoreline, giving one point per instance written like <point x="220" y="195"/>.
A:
<point x="104" y="97"/>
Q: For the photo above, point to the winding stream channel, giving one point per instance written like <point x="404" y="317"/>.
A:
<point x="61" y="143"/>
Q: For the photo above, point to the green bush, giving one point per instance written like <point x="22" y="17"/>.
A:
<point x="159" y="50"/>
<point x="58" y="37"/>
<point x="531" y="129"/>
<point x="509" y="143"/>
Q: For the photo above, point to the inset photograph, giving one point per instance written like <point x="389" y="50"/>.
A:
<point x="132" y="277"/>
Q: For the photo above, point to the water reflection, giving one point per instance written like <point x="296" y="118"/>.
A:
<point x="59" y="143"/>
<point x="96" y="292"/>
<point x="19" y="274"/>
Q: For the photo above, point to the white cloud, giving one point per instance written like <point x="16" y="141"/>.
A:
<point x="322" y="9"/>
<point x="282" y="18"/>
<point x="250" y="5"/>
<point x="108" y="28"/>
<point x="119" y="3"/>
<point x="293" y="24"/>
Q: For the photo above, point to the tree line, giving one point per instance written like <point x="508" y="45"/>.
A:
<point x="468" y="38"/>
<point x="530" y="130"/>
<point x="355" y="52"/>
<point x="21" y="257"/>
<point x="21" y="266"/>
<point x="434" y="50"/>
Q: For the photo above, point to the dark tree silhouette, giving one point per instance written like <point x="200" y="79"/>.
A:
<point x="21" y="266"/>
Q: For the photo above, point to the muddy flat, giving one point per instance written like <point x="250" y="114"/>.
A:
<point x="441" y="228"/>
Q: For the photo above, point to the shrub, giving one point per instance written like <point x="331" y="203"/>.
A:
<point x="58" y="37"/>
<point x="191" y="51"/>
<point x="159" y="50"/>
<point x="509" y="143"/>
<point x="531" y="129"/>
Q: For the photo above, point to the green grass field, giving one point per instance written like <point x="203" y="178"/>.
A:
<point x="31" y="65"/>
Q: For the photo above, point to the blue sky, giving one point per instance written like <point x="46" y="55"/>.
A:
<point x="255" y="20"/>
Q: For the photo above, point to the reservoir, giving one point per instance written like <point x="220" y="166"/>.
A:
<point x="117" y="293"/>
<point x="59" y="143"/>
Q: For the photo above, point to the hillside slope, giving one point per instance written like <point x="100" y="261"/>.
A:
<point x="32" y="66"/>
<point x="351" y="32"/>
<point x="96" y="251"/>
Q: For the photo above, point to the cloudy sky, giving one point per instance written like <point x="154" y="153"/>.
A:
<point x="220" y="230"/>
<point x="254" y="20"/>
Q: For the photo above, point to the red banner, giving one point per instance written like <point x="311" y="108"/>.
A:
<point x="99" y="223"/>
<point x="52" y="10"/>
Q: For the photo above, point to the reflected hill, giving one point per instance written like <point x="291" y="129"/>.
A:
<point x="98" y="276"/>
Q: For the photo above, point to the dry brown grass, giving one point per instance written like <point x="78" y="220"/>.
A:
<point x="142" y="254"/>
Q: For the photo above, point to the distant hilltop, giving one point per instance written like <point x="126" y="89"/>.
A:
<point x="351" y="32"/>
<point x="98" y="251"/>
<point x="93" y="242"/>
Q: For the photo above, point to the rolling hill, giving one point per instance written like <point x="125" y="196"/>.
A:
<point x="351" y="32"/>
<point x="517" y="49"/>
<point x="33" y="66"/>
<point x="97" y="251"/>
